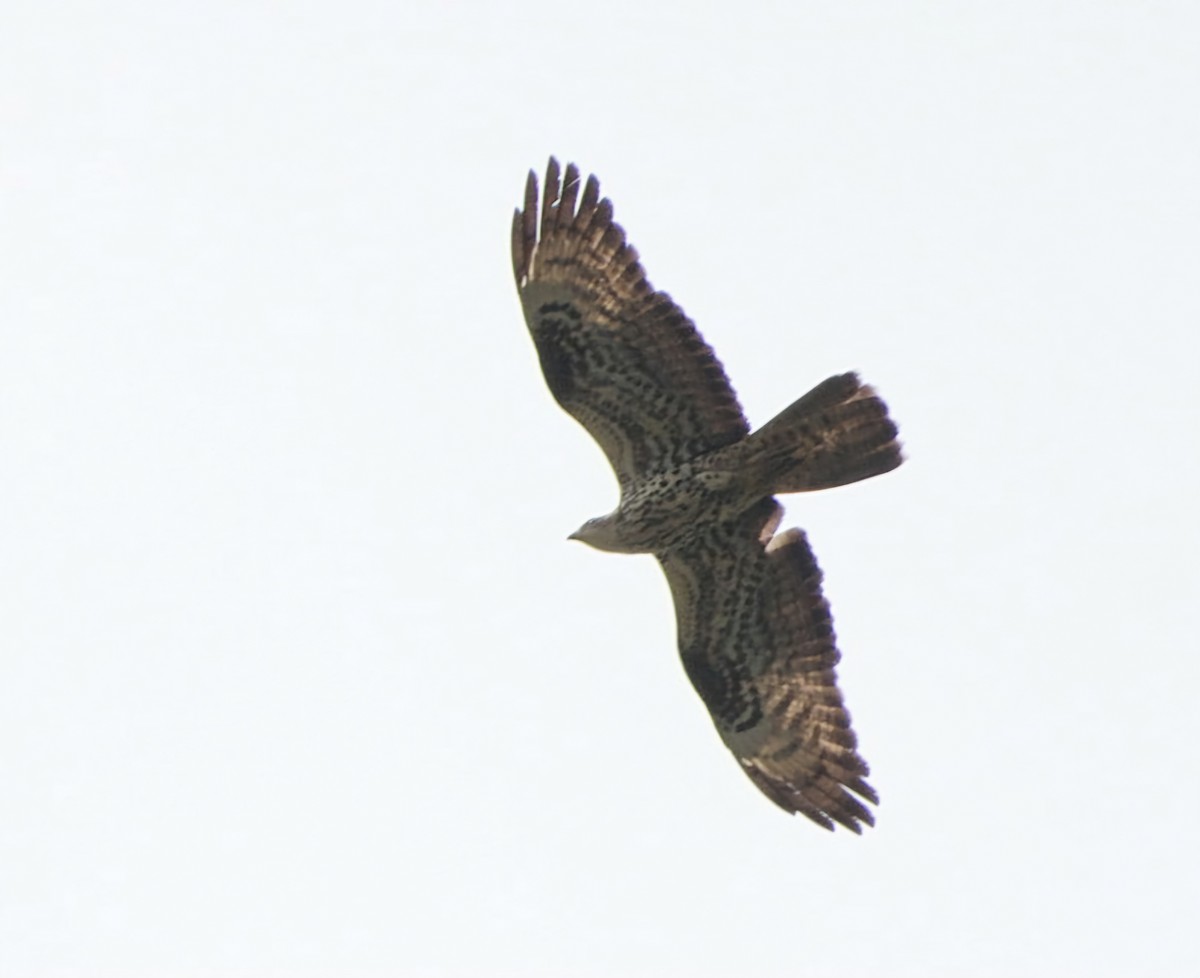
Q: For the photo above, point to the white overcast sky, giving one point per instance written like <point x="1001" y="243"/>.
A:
<point x="298" y="673"/>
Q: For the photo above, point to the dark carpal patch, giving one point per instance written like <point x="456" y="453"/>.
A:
<point x="724" y="689"/>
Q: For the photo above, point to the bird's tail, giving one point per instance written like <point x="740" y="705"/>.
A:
<point x="837" y="433"/>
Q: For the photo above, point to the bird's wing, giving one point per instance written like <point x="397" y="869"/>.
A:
<point x="621" y="358"/>
<point x="757" y="641"/>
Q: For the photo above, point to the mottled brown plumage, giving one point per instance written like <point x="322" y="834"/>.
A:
<point x="755" y="633"/>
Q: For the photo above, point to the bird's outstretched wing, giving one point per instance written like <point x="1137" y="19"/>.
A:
<point x="621" y="358"/>
<point x="757" y="641"/>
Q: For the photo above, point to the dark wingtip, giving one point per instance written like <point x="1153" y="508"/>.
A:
<point x="816" y="819"/>
<point x="518" y="249"/>
<point x="570" y="192"/>
<point x="531" y="191"/>
<point x="524" y="233"/>
<point x="864" y="790"/>
<point x="550" y="194"/>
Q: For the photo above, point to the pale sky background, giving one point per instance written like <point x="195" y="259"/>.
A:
<point x="299" y="675"/>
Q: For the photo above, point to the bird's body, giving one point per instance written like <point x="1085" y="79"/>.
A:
<point x="665" y="511"/>
<point x="755" y="633"/>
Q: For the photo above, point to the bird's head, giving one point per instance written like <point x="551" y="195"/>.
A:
<point x="601" y="533"/>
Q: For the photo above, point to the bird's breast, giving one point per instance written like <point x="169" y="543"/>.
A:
<point x="666" y="509"/>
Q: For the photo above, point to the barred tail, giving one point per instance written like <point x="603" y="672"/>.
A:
<point x="837" y="433"/>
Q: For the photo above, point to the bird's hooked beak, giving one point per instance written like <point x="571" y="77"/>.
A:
<point x="575" y="536"/>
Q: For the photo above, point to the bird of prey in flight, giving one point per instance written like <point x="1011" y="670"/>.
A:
<point x="697" y="491"/>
